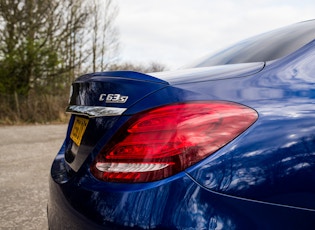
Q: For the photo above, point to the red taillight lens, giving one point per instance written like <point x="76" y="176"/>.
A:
<point x="164" y="141"/>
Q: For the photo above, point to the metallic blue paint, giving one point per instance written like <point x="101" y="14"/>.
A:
<point x="88" y="92"/>
<point x="275" y="161"/>
<point x="263" y="179"/>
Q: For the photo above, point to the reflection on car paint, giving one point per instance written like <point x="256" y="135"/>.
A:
<point x="257" y="170"/>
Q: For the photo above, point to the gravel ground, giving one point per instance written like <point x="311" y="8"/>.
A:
<point x="26" y="153"/>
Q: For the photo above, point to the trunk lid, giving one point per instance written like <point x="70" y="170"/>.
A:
<point x="96" y="102"/>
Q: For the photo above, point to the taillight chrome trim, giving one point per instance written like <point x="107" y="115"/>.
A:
<point x="131" y="167"/>
<point x="95" y="111"/>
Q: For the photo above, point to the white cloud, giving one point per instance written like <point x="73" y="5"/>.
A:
<point x="178" y="31"/>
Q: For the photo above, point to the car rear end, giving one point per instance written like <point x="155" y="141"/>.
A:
<point x="223" y="147"/>
<point x="130" y="139"/>
<point x="140" y="153"/>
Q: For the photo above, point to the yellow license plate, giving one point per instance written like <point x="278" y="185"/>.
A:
<point x="78" y="129"/>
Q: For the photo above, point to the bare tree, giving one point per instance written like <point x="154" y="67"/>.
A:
<point x="46" y="43"/>
<point x="37" y="42"/>
<point x="105" y="42"/>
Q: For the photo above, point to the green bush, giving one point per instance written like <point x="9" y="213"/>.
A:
<point x="45" y="108"/>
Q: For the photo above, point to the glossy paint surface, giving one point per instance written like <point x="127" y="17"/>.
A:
<point x="276" y="160"/>
<point x="263" y="179"/>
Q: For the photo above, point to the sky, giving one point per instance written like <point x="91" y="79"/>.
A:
<point x="177" y="32"/>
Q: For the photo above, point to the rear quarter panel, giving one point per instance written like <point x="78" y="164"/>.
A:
<point x="274" y="160"/>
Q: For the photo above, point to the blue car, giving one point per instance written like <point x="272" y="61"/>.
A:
<point x="228" y="143"/>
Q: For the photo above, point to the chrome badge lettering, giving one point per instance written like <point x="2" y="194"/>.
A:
<point x="113" y="98"/>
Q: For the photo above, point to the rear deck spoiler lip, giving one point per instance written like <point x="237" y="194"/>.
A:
<point x="131" y="75"/>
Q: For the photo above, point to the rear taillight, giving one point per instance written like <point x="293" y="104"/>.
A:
<point x="161" y="142"/>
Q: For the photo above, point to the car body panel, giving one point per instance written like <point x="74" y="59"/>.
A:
<point x="94" y="90"/>
<point x="177" y="204"/>
<point x="286" y="110"/>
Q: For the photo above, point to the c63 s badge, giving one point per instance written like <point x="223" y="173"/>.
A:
<point x="113" y="98"/>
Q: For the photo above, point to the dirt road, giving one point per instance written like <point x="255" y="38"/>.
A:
<point x="26" y="153"/>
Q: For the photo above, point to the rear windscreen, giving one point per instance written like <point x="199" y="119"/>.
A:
<point x="265" y="47"/>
